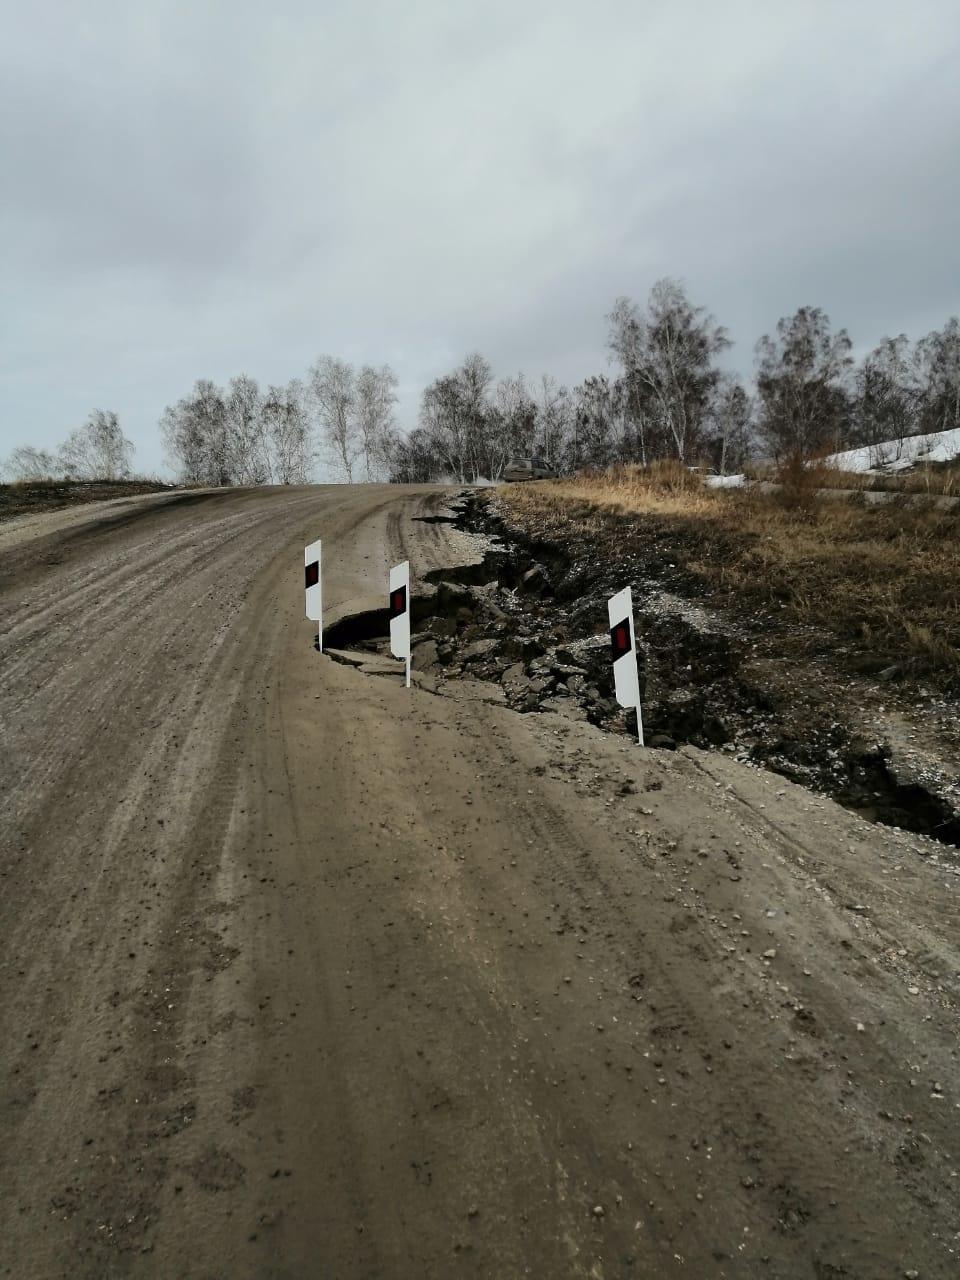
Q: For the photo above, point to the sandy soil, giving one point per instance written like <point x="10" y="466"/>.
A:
<point x="303" y="974"/>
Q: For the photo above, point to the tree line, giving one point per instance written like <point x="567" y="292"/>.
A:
<point x="666" y="395"/>
<point x="242" y="435"/>
<point x="98" y="450"/>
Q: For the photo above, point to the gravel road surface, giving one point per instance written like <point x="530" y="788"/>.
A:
<point x="304" y="974"/>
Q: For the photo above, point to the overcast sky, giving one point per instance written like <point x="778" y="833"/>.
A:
<point x="198" y="189"/>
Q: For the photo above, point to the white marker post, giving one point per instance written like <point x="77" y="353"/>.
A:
<point x="314" y="588"/>
<point x="624" y="644"/>
<point x="400" y="613"/>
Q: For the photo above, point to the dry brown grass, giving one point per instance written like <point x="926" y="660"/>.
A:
<point x="884" y="579"/>
<point x="936" y="481"/>
<point x="665" y="487"/>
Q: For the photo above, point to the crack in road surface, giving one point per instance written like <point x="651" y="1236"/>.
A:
<point x="305" y="974"/>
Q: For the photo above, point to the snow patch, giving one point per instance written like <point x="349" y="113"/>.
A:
<point x="899" y="455"/>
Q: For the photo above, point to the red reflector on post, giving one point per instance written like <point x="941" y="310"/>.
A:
<point x="620" y="639"/>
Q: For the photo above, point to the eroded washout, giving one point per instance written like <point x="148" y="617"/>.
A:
<point x="531" y="618"/>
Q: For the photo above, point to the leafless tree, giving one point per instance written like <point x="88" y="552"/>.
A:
<point x="554" y="422"/>
<point x="731" y="425"/>
<point x="475" y="378"/>
<point x="196" y="437"/>
<point x="29" y="463"/>
<point x="667" y="355"/>
<point x="375" y="399"/>
<point x="513" y="424"/>
<point x="598" y="424"/>
<point x="801" y="384"/>
<point x="444" y="424"/>
<point x="938" y="364"/>
<point x="887" y="398"/>
<point x="288" y="434"/>
<point x="413" y="459"/>
<point x="460" y="423"/>
<point x="98" y="450"/>
<point x="248" y="462"/>
<point x="333" y="385"/>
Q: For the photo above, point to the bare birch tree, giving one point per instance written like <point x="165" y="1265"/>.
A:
<point x="731" y="422"/>
<point x="475" y="378"/>
<point x="196" y="438"/>
<point x="29" y="463"/>
<point x="288" y="435"/>
<point x="554" y="421"/>
<point x="334" y="391"/>
<point x="515" y="421"/>
<point x="887" y="396"/>
<point x="98" y="450"/>
<point x="801" y="384"/>
<point x="938" y="362"/>
<point x="246" y="445"/>
<point x="375" y="400"/>
<point x="444" y="422"/>
<point x="667" y="354"/>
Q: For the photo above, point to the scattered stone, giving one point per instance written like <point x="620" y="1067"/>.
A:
<point x="478" y="649"/>
<point x="426" y="653"/>
<point x="697" y="685"/>
<point x="587" y="653"/>
<point x="536" y="580"/>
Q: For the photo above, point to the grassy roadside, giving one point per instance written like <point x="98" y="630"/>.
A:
<point x="881" y="583"/>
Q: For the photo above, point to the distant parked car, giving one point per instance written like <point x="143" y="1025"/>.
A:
<point x="528" y="469"/>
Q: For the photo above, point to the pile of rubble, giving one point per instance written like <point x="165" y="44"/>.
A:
<point x="532" y="617"/>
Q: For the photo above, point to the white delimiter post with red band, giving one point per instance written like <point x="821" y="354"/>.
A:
<point x="400" y="613"/>
<point x="624" y="645"/>
<point x="314" y="588"/>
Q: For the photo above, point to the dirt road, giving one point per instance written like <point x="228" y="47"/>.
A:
<point x="303" y="974"/>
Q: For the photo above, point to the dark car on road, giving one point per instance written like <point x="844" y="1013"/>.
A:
<point x="528" y="469"/>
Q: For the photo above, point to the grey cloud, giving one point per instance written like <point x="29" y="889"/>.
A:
<point x="192" y="190"/>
